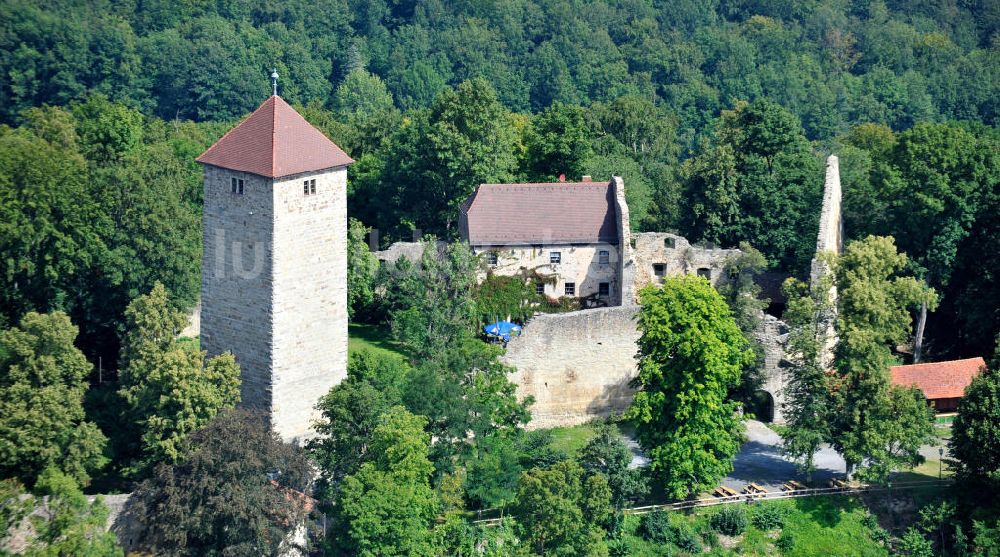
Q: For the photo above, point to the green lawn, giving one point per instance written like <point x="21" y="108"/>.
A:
<point x="194" y="342"/>
<point x="374" y="338"/>
<point x="570" y="440"/>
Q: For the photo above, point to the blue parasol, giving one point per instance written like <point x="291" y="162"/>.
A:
<point x="502" y="330"/>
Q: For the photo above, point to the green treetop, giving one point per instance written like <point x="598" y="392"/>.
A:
<point x="876" y="426"/>
<point x="43" y="378"/>
<point x="169" y="389"/>
<point x="388" y="506"/>
<point x="691" y="353"/>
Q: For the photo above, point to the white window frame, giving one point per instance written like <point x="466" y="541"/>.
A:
<point x="555" y="257"/>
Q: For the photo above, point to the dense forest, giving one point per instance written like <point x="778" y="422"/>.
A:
<point x="718" y="114"/>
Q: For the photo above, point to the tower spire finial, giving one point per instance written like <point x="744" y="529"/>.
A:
<point x="274" y="81"/>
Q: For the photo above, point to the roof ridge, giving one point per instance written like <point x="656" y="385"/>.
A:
<point x="939" y="362"/>
<point x="274" y="132"/>
<point x="231" y="130"/>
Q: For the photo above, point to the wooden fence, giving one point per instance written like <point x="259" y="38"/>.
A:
<point x="750" y="498"/>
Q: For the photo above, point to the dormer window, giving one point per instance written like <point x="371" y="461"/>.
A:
<point x="236" y="185"/>
<point x="309" y="187"/>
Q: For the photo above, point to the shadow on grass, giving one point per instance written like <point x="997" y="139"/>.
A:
<point x="826" y="511"/>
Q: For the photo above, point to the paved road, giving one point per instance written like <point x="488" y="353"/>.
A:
<point x="760" y="460"/>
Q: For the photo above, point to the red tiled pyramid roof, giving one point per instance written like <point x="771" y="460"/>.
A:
<point x="938" y="379"/>
<point x="536" y="214"/>
<point x="275" y="141"/>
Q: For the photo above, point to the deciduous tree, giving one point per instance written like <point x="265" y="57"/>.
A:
<point x="560" y="511"/>
<point x="877" y="427"/>
<point x="607" y="454"/>
<point x="236" y="490"/>
<point x="975" y="441"/>
<point x="362" y="267"/>
<point x="169" y="389"/>
<point x="43" y="377"/>
<point x="350" y="414"/>
<point x="388" y="506"/>
<point x="691" y="352"/>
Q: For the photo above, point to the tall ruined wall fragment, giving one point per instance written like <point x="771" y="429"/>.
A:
<point x="829" y="242"/>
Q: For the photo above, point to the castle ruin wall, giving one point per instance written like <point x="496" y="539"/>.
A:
<point x="576" y="365"/>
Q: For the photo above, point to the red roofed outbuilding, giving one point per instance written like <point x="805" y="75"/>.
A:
<point x="943" y="383"/>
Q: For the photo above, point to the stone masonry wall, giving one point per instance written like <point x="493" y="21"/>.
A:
<point x="830" y="241"/>
<point x="773" y="337"/>
<point x="274" y="289"/>
<point x="677" y="255"/>
<point x="576" y="365"/>
<point x="310" y="297"/>
<point x="236" y="278"/>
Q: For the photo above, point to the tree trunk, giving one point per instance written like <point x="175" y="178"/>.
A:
<point x="918" y="343"/>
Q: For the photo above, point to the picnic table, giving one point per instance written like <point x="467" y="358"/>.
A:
<point x="754" y="489"/>
<point x="792" y="485"/>
<point x="723" y="491"/>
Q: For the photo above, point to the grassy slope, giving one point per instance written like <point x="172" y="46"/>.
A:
<point x="828" y="526"/>
<point x="371" y="337"/>
<point x="570" y="440"/>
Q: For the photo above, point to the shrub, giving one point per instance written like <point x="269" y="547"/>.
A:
<point x="786" y="542"/>
<point x="685" y="538"/>
<point x="616" y="524"/>
<point x="619" y="547"/>
<point x="768" y="517"/>
<point x="878" y="533"/>
<point x="655" y="527"/>
<point x="731" y="520"/>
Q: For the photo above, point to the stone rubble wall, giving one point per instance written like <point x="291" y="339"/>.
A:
<point x="579" y="264"/>
<point x="773" y="337"/>
<point x="626" y="291"/>
<point x="576" y="365"/>
<point x="829" y="241"/>
<point x="236" y="278"/>
<point x="678" y="256"/>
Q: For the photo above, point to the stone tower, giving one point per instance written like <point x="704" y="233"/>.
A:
<point x="274" y="271"/>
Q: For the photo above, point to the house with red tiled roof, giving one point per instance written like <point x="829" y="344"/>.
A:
<point x="574" y="240"/>
<point x="569" y="235"/>
<point x="943" y="383"/>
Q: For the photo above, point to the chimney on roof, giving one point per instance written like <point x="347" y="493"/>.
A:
<point x="562" y="177"/>
<point x="585" y="178"/>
